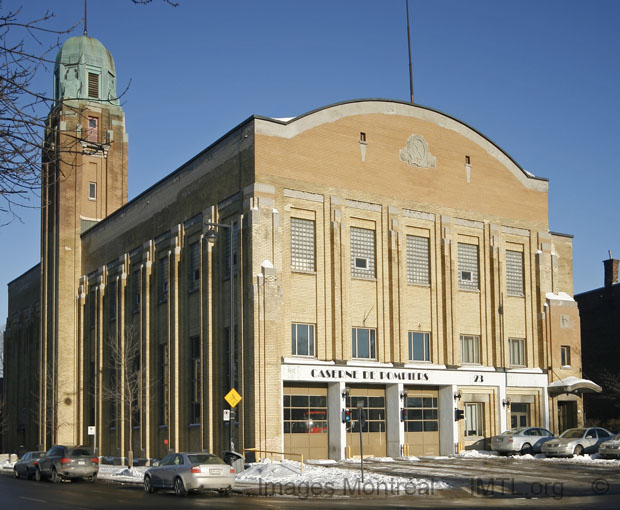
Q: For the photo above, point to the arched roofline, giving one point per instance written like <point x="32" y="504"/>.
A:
<point x="428" y="113"/>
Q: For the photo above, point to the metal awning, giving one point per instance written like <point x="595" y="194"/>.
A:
<point x="573" y="385"/>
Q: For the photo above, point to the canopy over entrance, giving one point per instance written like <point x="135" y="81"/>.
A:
<point x="573" y="385"/>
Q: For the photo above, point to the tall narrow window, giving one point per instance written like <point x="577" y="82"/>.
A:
<point x="514" y="273"/>
<point x="195" y="371"/>
<point x="364" y="343"/>
<point x="163" y="279"/>
<point x="92" y="191"/>
<point x="111" y="293"/>
<point x="136" y="291"/>
<point x="468" y="266"/>
<point x="92" y="297"/>
<point x="194" y="266"/>
<point x="302" y="339"/>
<point x="474" y="419"/>
<point x="93" y="85"/>
<point x="418" y="260"/>
<point x="362" y="253"/>
<point x="565" y="353"/>
<point x="419" y="346"/>
<point x="517" y="351"/>
<point x="302" y="244"/>
<point x="92" y="133"/>
<point x="470" y="349"/>
<point x="164" y="395"/>
<point x="235" y="254"/>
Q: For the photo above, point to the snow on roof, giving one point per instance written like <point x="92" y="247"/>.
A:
<point x="560" y="296"/>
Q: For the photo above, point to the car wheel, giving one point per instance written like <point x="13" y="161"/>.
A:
<point x="179" y="487"/>
<point x="37" y="475"/>
<point x="578" y="450"/>
<point x="15" y="473"/>
<point x="55" y="476"/>
<point x="148" y="485"/>
<point x="224" y="492"/>
<point x="526" y="449"/>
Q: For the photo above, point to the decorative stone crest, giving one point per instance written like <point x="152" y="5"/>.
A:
<point x="416" y="153"/>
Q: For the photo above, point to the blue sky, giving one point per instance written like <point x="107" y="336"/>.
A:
<point x="539" y="78"/>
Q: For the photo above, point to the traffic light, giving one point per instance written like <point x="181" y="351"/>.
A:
<point x="459" y="414"/>
<point x="403" y="414"/>
<point x="346" y="416"/>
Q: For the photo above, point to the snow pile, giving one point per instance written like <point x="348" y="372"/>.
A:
<point x="287" y="478"/>
<point x="122" y="473"/>
<point x="478" y="453"/>
<point x="6" y="465"/>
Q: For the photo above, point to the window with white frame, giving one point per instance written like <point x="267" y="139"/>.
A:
<point x="92" y="191"/>
<point x="302" y="339"/>
<point x="474" y="419"/>
<point x="302" y="244"/>
<point x="470" y="349"/>
<point x="362" y="253"/>
<point x="194" y="266"/>
<point x="514" y="273"/>
<point x="418" y="260"/>
<point x="468" y="266"/>
<point x="517" y="351"/>
<point x="419" y="346"/>
<point x="364" y="343"/>
<point x="565" y="354"/>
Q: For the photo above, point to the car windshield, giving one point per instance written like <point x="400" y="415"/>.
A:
<point x="573" y="433"/>
<point x="37" y="455"/>
<point x="204" y="458"/>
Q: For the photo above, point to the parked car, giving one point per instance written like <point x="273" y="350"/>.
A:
<point x="610" y="449"/>
<point x="67" y="462"/>
<point x="521" y="440"/>
<point x="576" y="442"/>
<point x="186" y="472"/>
<point x="25" y="467"/>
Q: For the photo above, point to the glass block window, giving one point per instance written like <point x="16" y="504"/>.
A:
<point x="305" y="414"/>
<point x="302" y="339"/>
<point x="419" y="346"/>
<point x="474" y="419"/>
<point x="514" y="273"/>
<point x="418" y="260"/>
<point x="362" y="253"/>
<point x="163" y="279"/>
<point x="302" y="244"/>
<point x="422" y="414"/>
<point x="468" y="266"/>
<point x="470" y="349"/>
<point x="364" y="343"/>
<point x="194" y="266"/>
<point x="195" y="371"/>
<point x="517" y="351"/>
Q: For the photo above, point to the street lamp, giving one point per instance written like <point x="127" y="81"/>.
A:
<point x="211" y="236"/>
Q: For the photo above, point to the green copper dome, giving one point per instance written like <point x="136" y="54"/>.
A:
<point x="85" y="70"/>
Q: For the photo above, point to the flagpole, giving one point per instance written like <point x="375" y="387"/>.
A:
<point x="409" y="48"/>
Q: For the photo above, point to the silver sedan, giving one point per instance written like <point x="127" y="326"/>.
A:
<point x="521" y="440"/>
<point x="610" y="449"/>
<point x="186" y="472"/>
<point x="576" y="442"/>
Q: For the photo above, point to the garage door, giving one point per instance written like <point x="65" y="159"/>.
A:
<point x="373" y="431"/>
<point x="305" y="421"/>
<point x="422" y="423"/>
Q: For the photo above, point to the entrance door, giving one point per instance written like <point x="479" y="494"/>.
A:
<point x="422" y="423"/>
<point x="519" y="415"/>
<point x="567" y="415"/>
<point x="373" y="431"/>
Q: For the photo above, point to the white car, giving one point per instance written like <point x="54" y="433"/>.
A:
<point x="521" y="440"/>
<point x="576" y="442"/>
<point x="610" y="449"/>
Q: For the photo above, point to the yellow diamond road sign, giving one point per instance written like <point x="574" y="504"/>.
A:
<point x="232" y="397"/>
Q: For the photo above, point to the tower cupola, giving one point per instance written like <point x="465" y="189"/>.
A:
<point x="85" y="70"/>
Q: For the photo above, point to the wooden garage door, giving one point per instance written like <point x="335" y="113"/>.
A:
<point x="422" y="423"/>
<point x="305" y="421"/>
<point x="373" y="432"/>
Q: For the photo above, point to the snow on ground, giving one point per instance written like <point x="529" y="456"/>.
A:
<point x="122" y="473"/>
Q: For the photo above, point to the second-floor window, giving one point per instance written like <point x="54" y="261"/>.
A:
<point x="302" y="245"/>
<point x="362" y="253"/>
<point x="364" y="343"/>
<point x="418" y="260"/>
<point x="470" y="349"/>
<point x="468" y="266"/>
<point x="302" y="339"/>
<point x="514" y="273"/>
<point x="419" y="346"/>
<point x="517" y="351"/>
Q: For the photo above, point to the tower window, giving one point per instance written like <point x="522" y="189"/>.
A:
<point x="92" y="135"/>
<point x="362" y="137"/>
<point x="92" y="191"/>
<point x="93" y="85"/>
<point x="467" y="160"/>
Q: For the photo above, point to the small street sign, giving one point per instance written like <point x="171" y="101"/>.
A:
<point x="232" y="397"/>
<point x="91" y="430"/>
<point x="226" y="414"/>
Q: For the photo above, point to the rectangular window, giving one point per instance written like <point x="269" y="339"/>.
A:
<point x="362" y="253"/>
<point x="93" y="85"/>
<point x="470" y="349"/>
<point x="195" y="371"/>
<point x="194" y="266"/>
<point x="302" y="244"/>
<point x="235" y="361"/>
<point x="422" y="414"/>
<point x="468" y="266"/>
<point x="163" y="279"/>
<point x="136" y="291"/>
<point x="164" y="394"/>
<point x="235" y="261"/>
<point x="92" y="133"/>
<point x="514" y="273"/>
<point x="302" y="339"/>
<point x="92" y="298"/>
<point x="111" y="293"/>
<point x="364" y="343"/>
<point x="92" y="191"/>
<point x="519" y="416"/>
<point x="418" y="260"/>
<point x="419" y="346"/>
<point x="565" y="352"/>
<point x="517" y="351"/>
<point x="304" y="414"/>
<point x="474" y="419"/>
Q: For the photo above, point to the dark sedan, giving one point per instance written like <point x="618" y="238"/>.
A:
<point x="26" y="466"/>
